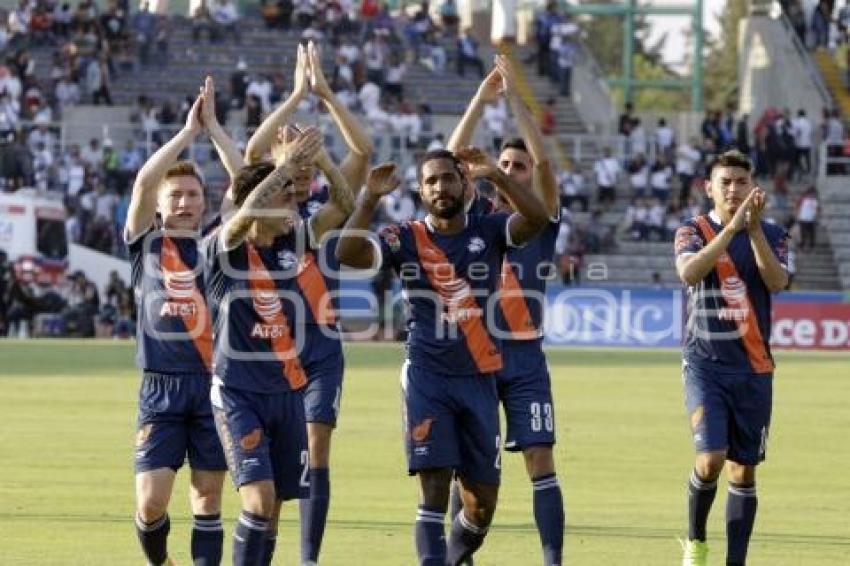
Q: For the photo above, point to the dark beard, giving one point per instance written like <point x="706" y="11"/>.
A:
<point x="450" y="212"/>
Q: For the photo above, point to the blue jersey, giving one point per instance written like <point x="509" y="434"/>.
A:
<point x="174" y="334"/>
<point x="524" y="275"/>
<point x="729" y="312"/>
<point x="447" y="281"/>
<point x="326" y="254"/>
<point x="270" y="312"/>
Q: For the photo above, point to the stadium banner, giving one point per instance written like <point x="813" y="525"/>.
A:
<point x="642" y="317"/>
<point x="811" y="326"/>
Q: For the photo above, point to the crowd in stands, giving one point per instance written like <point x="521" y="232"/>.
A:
<point x="75" y="307"/>
<point x="554" y="34"/>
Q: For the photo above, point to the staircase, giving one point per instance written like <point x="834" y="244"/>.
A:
<point x="834" y="79"/>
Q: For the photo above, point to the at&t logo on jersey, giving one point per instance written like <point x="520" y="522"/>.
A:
<point x="180" y="290"/>
<point x="734" y="293"/>
<point x="267" y="306"/>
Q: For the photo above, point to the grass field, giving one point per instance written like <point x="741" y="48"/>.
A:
<point x="67" y="414"/>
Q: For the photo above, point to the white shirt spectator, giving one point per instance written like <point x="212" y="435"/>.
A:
<point x="834" y="131"/>
<point x="10" y="83"/>
<point x="105" y="205"/>
<point x="808" y="209"/>
<point x="607" y="170"/>
<point x="76" y="177"/>
<point x="687" y="159"/>
<point x="660" y="179"/>
<point x="802" y="129"/>
<point x="656" y="215"/>
<point x="45" y="137"/>
<point x="563" y="238"/>
<point x="640" y="178"/>
<point x="350" y="51"/>
<point x="224" y="12"/>
<point x="664" y="137"/>
<point x="395" y="74"/>
<point x="370" y="94"/>
<point x="73" y="230"/>
<point x="637" y="139"/>
<point x="92" y="156"/>
<point x="435" y="145"/>
<point x="262" y="89"/>
<point x="67" y="93"/>
<point x="374" y="53"/>
<point x="571" y="183"/>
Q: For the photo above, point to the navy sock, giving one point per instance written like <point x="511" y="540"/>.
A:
<point x="700" y="497"/>
<point x="249" y="539"/>
<point x="741" y="506"/>
<point x="268" y="548"/>
<point x="464" y="539"/>
<point x="455" y="501"/>
<point x="430" y="536"/>
<point x="314" y="514"/>
<point x="207" y="540"/>
<point x="154" y="538"/>
<point x="549" y="516"/>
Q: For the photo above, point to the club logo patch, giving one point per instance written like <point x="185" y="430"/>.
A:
<point x="287" y="259"/>
<point x="476" y="245"/>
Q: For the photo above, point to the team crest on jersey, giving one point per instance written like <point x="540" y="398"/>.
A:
<point x="390" y="236"/>
<point x="476" y="245"/>
<point x="313" y="207"/>
<point x="287" y="259"/>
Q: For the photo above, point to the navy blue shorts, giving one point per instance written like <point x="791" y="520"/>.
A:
<point x="175" y="421"/>
<point x="451" y="422"/>
<point x="264" y="437"/>
<point x="729" y="411"/>
<point x="525" y="391"/>
<point x="323" y="393"/>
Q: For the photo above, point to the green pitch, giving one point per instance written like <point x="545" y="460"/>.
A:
<point x="67" y="414"/>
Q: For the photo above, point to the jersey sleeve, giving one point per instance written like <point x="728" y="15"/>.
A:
<point x="688" y="240"/>
<point x="778" y="240"/>
<point x="391" y="240"/>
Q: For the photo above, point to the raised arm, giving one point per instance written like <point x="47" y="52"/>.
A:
<point x="693" y="268"/>
<point x="142" y="210"/>
<point x="353" y="249"/>
<point x="355" y="165"/>
<point x="774" y="275"/>
<point x="228" y="153"/>
<point x="488" y="92"/>
<point x="530" y="215"/>
<point x="303" y="151"/>
<point x="545" y="184"/>
<point x="264" y="137"/>
<point x="340" y="203"/>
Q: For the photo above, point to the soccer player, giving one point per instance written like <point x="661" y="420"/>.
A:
<point x="324" y="382"/>
<point x="731" y="261"/>
<point x="449" y="265"/>
<point x="524" y="384"/>
<point x="262" y="276"/>
<point x="174" y="341"/>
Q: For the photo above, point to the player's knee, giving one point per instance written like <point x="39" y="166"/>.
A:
<point x="539" y="461"/>
<point x="709" y="465"/>
<point x="258" y="498"/>
<point x="152" y="507"/>
<point x="741" y="474"/>
<point x="481" y="511"/>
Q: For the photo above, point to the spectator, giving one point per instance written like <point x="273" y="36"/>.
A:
<point x="92" y="155"/>
<point x="449" y="16"/>
<point x="566" y="59"/>
<point x="225" y="19"/>
<point x="656" y="219"/>
<point x="543" y="24"/>
<point x="660" y="176"/>
<point x="419" y="28"/>
<point x="437" y="57"/>
<point x="635" y="221"/>
<point x="637" y="138"/>
<point x="162" y="36"/>
<point x="808" y="209"/>
<point x="821" y="18"/>
<point x="597" y="236"/>
<point x="692" y="209"/>
<point x="638" y="171"/>
<point x="439" y="142"/>
<point x="277" y="13"/>
<point x="687" y="160"/>
<point x="665" y="140"/>
<point x="97" y="80"/>
<point x="41" y="134"/>
<point x="573" y="188"/>
<point x="304" y="13"/>
<point x="202" y="23"/>
<point x="802" y="129"/>
<point x="67" y="93"/>
<point x="625" y="122"/>
<point x="607" y="171"/>
<point x="395" y="77"/>
<point x="144" y="27"/>
<point x="374" y="53"/>
<point x="742" y="139"/>
<point x="467" y="53"/>
<point x="261" y="87"/>
<point x="672" y="222"/>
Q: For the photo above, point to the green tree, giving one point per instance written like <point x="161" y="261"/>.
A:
<point x="721" y="58"/>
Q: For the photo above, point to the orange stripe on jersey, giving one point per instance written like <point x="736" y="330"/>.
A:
<point x="461" y="305"/>
<point x="186" y="298"/>
<point x="514" y="307"/>
<point x="268" y="306"/>
<point x="748" y="327"/>
<point x="312" y="285"/>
